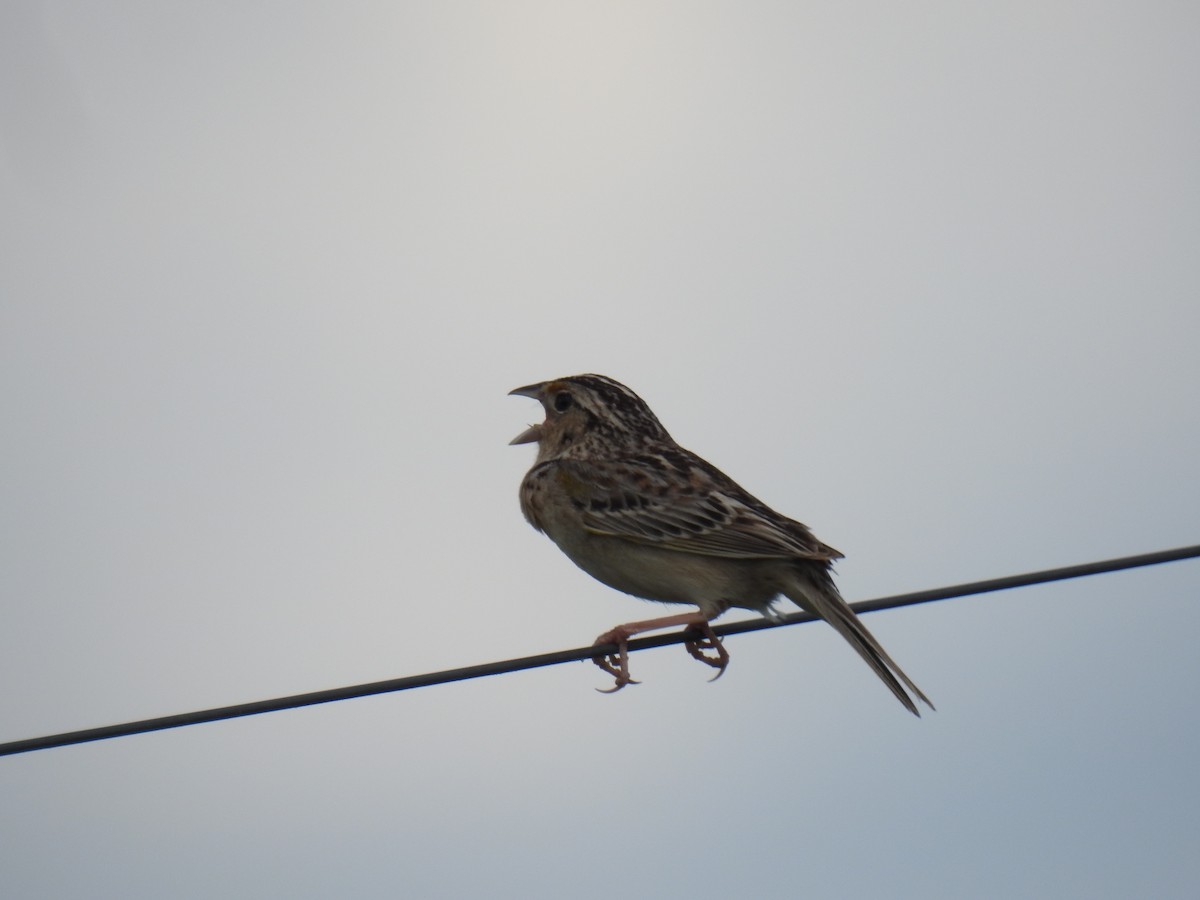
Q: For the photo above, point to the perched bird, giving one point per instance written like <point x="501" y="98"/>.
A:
<point x="635" y="510"/>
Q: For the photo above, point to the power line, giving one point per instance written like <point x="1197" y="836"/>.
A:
<point x="579" y="653"/>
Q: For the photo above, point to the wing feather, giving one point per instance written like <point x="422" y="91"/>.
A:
<point x="693" y="510"/>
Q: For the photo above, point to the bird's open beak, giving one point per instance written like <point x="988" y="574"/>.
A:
<point x="528" y="436"/>
<point x="533" y="432"/>
<point x="532" y="391"/>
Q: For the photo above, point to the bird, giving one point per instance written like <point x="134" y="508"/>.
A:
<point x="641" y="514"/>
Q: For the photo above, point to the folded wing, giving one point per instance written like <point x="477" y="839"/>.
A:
<point x="711" y="517"/>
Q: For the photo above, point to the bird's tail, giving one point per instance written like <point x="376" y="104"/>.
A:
<point x="815" y="593"/>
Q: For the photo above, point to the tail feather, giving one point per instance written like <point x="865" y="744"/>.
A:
<point x="817" y="594"/>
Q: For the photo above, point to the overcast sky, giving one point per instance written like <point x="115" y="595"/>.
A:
<point x="924" y="276"/>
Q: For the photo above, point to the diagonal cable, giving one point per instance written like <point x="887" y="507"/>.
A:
<point x="580" y="653"/>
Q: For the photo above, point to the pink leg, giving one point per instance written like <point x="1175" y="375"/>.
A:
<point x="617" y="664"/>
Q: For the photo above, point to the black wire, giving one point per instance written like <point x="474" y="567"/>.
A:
<point x="579" y="653"/>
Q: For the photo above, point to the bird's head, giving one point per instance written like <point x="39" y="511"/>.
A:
<point x="589" y="416"/>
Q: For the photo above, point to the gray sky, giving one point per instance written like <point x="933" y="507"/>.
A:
<point x="924" y="276"/>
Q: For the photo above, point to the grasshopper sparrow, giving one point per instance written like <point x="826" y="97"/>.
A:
<point x="635" y="510"/>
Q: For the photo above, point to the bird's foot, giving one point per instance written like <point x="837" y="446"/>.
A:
<point x="708" y="641"/>
<point x="615" y="664"/>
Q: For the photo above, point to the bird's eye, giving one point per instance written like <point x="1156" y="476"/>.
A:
<point x="562" y="402"/>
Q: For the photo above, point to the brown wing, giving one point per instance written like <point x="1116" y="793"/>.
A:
<point x="691" y="509"/>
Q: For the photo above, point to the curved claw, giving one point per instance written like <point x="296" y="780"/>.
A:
<point x="616" y="665"/>
<point x="710" y="641"/>
<point x="620" y="684"/>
